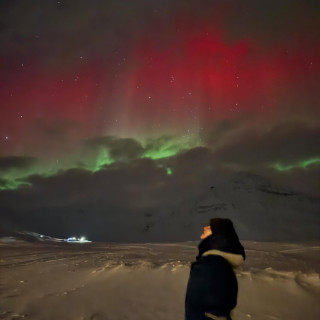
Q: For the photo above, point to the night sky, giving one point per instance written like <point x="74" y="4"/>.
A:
<point x="121" y="104"/>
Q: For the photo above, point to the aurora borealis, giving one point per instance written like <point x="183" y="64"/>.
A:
<point x="156" y="92"/>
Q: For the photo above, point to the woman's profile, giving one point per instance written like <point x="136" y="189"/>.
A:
<point x="212" y="287"/>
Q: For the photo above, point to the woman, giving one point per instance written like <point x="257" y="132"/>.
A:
<point x="212" y="288"/>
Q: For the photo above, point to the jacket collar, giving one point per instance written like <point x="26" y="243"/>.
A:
<point x="221" y="243"/>
<point x="234" y="259"/>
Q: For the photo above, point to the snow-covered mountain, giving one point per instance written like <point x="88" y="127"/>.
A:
<point x="259" y="209"/>
<point x="28" y="236"/>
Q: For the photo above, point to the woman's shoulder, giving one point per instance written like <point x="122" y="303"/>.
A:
<point x="210" y="261"/>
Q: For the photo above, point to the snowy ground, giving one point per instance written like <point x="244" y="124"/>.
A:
<point x="148" y="281"/>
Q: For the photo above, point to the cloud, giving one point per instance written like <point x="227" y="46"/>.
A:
<point x="77" y="198"/>
<point x="261" y="146"/>
<point x="305" y="180"/>
<point x="16" y="163"/>
<point x="217" y="133"/>
<point x="120" y="149"/>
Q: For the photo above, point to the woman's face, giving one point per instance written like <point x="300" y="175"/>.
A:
<point x="206" y="232"/>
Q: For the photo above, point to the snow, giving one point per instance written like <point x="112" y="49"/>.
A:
<point x="148" y="281"/>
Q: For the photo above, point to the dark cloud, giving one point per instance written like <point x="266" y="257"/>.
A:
<point x="195" y="163"/>
<point x="76" y="198"/>
<point x="120" y="149"/>
<point x="217" y="133"/>
<point x="164" y="145"/>
<point x="305" y="180"/>
<point x="262" y="146"/>
<point x="16" y="162"/>
<point x="158" y="143"/>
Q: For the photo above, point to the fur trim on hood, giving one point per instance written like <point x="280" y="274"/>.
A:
<point x="234" y="259"/>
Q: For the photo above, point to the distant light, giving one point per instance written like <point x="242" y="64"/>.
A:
<point x="77" y="240"/>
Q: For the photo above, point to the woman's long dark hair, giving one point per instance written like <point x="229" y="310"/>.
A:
<point x="223" y="238"/>
<point x="222" y="226"/>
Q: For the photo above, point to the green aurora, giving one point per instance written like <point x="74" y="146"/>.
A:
<point x="102" y="157"/>
<point x="14" y="180"/>
<point x="155" y="149"/>
<point x="302" y="165"/>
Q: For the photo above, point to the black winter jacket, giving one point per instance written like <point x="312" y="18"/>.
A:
<point x="212" y="286"/>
